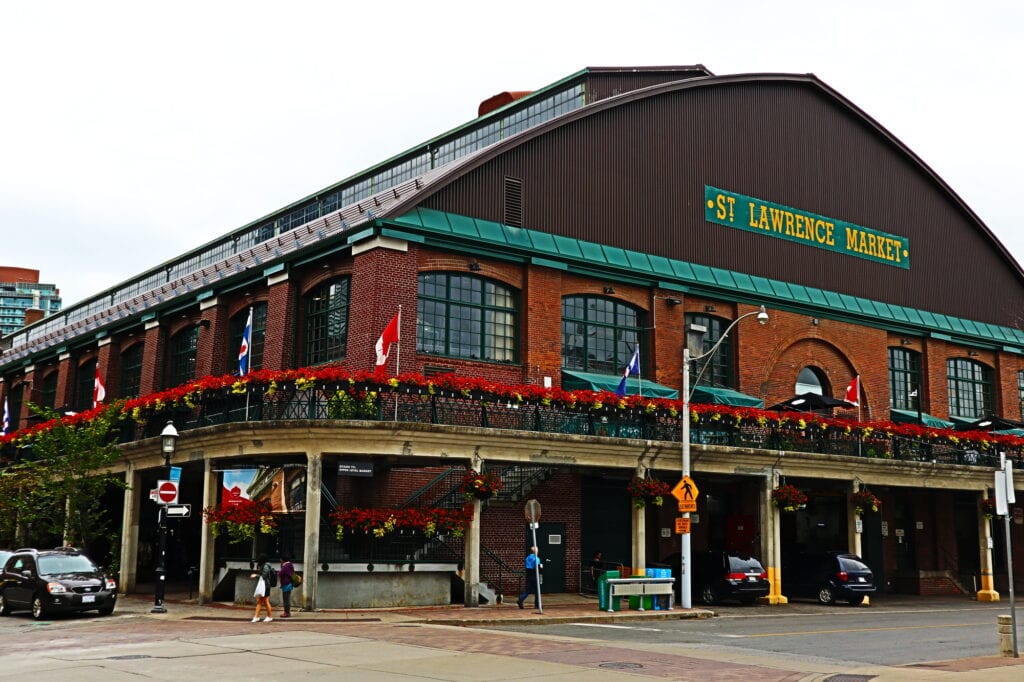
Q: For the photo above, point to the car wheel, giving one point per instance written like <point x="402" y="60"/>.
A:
<point x="38" y="609"/>
<point x="707" y="595"/>
<point x="106" y="610"/>
<point x="826" y="595"/>
<point x="857" y="600"/>
<point x="5" y="609"/>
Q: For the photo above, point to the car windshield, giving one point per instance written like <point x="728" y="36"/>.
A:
<point x="71" y="563"/>
<point x="851" y="565"/>
<point x="740" y="564"/>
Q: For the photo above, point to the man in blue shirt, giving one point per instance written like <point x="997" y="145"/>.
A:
<point x="532" y="564"/>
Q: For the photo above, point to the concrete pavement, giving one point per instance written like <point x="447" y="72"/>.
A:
<point x="217" y="641"/>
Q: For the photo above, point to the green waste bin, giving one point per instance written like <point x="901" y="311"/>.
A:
<point x="636" y="599"/>
<point x="603" y="591"/>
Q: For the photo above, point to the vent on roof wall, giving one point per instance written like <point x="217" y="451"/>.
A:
<point x="513" y="202"/>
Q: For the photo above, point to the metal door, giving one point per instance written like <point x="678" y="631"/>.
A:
<point x="551" y="548"/>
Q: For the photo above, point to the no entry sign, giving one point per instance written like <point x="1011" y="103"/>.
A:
<point x="167" y="492"/>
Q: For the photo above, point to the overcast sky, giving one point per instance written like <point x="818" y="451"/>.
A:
<point x="131" y="132"/>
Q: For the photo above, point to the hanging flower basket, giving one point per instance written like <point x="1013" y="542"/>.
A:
<point x="865" y="501"/>
<point x="241" y="521"/>
<point x="789" y="498"/>
<point x="480" y="485"/>
<point x="382" y="522"/>
<point x="647" y="490"/>
<point x="988" y="507"/>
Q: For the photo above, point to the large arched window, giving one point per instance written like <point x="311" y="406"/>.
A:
<point x="131" y="372"/>
<point x="257" y="338"/>
<point x="464" y="316"/>
<point x="718" y="369"/>
<point x="48" y="393"/>
<point x="970" y="389"/>
<point x="181" y="357"/>
<point x="812" y="380"/>
<point x="84" y="387"/>
<point x="904" y="378"/>
<point x="600" y="334"/>
<point x="326" y="322"/>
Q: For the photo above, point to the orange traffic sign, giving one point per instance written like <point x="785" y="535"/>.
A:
<point x="686" y="490"/>
<point x="688" y="506"/>
<point x="682" y="525"/>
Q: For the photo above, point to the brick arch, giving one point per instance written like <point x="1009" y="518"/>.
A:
<point x="785" y="364"/>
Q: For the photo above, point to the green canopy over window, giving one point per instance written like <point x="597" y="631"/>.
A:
<point x="714" y="395"/>
<point x="910" y="417"/>
<point x="573" y="380"/>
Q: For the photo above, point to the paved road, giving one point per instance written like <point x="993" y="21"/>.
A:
<point x="208" y="643"/>
<point x="896" y="632"/>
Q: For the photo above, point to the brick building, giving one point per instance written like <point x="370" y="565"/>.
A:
<point x="540" y="245"/>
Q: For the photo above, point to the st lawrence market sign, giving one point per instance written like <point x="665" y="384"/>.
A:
<point x="775" y="220"/>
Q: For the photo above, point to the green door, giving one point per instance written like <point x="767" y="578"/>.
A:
<point x="551" y="547"/>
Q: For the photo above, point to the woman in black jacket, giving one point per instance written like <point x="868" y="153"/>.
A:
<point x="265" y="579"/>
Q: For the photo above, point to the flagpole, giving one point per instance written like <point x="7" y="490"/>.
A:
<point x="398" y="355"/>
<point x="248" y="358"/>
<point x="639" y="375"/>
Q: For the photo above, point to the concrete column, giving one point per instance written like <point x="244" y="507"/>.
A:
<point x="638" y="557"/>
<point x="207" y="575"/>
<point x="771" y="542"/>
<point x="987" y="589"/>
<point x="130" y="529"/>
<point x="311" y="552"/>
<point x="471" y="559"/>
<point x="853" y="536"/>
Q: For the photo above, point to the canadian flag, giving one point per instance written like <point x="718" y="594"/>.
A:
<point x="99" y="392"/>
<point x="853" y="392"/>
<point x="383" y="347"/>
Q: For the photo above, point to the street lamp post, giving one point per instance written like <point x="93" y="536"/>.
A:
<point x="685" y="582"/>
<point x="168" y="440"/>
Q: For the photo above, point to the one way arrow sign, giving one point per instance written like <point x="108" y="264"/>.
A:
<point x="179" y="510"/>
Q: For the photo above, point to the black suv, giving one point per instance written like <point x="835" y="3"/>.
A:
<point x="55" y="581"/>
<point x="828" y="577"/>
<point x="719" y="575"/>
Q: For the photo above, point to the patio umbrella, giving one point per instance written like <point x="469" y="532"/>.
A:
<point x="992" y="423"/>
<point x="810" y="402"/>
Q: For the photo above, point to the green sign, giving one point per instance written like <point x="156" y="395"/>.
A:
<point x="775" y="220"/>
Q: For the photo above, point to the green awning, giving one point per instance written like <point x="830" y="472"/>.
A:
<point x="713" y="395"/>
<point x="587" y="381"/>
<point x="910" y="417"/>
<point x="1010" y="432"/>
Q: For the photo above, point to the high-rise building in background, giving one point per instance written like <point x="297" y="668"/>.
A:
<point x="20" y="293"/>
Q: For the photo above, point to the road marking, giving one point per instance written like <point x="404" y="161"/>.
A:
<point x="844" y="630"/>
<point x="614" y="627"/>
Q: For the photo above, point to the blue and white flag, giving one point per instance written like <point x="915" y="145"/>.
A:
<point x="7" y="420"/>
<point x="243" y="352"/>
<point x="632" y="368"/>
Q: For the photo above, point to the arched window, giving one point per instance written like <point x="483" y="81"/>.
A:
<point x="904" y="379"/>
<point x="84" y="387"/>
<point x="717" y="370"/>
<point x="465" y="316"/>
<point x="14" y="400"/>
<point x="257" y="338"/>
<point x="600" y="334"/>
<point x="181" y="357"/>
<point x="48" y="393"/>
<point x="131" y="372"/>
<point x="326" y="322"/>
<point x="970" y="389"/>
<point x="812" y="380"/>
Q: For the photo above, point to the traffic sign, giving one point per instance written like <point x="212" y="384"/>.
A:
<point x="686" y="490"/>
<point x="181" y="511"/>
<point x="682" y="525"/>
<point x="532" y="511"/>
<point x="166" y="492"/>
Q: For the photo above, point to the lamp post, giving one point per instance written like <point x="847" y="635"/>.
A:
<point x="168" y="440"/>
<point x="695" y="338"/>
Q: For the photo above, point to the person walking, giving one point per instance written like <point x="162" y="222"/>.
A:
<point x="264" y="580"/>
<point x="533" y="564"/>
<point x="285" y="581"/>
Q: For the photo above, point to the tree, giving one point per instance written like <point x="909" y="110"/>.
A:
<point x="57" y="492"/>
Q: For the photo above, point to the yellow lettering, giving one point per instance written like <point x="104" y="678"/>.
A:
<point x="829" y="239"/>
<point x="789" y="222"/>
<point x="776" y="219"/>
<point x="753" y="223"/>
<point x="725" y="207"/>
<point x="763" y="223"/>
<point x="897" y="252"/>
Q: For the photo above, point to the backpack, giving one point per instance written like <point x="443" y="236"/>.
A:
<point x="273" y="576"/>
<point x="296" y="580"/>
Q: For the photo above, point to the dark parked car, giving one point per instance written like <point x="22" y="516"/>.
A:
<point x="828" y="577"/>
<point x="720" y="575"/>
<point x="54" y="581"/>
